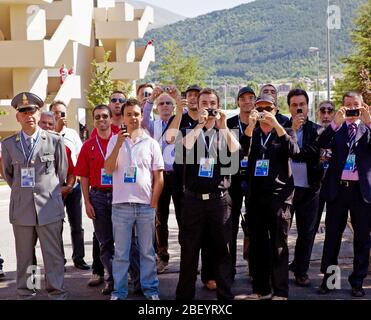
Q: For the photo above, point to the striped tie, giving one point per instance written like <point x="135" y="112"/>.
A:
<point x="352" y="131"/>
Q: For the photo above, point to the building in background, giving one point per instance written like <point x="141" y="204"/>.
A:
<point x="38" y="37"/>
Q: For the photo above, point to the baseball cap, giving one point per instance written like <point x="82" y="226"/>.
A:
<point x="244" y="90"/>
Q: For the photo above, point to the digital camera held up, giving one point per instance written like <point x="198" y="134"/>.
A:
<point x="212" y="112"/>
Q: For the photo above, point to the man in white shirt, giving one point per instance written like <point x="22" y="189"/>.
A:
<point x="136" y="163"/>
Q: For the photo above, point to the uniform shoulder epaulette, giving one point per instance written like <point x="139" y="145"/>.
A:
<point x="10" y="137"/>
<point x="53" y="132"/>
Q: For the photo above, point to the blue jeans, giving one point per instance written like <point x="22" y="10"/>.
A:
<point x="102" y="204"/>
<point x="124" y="217"/>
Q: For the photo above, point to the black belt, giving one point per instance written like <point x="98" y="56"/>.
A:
<point x="348" y="183"/>
<point x="103" y="190"/>
<point x="206" y="196"/>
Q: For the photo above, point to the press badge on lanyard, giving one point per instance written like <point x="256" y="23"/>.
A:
<point x="262" y="165"/>
<point x="130" y="173"/>
<point x="28" y="173"/>
<point x="105" y="178"/>
<point x="206" y="168"/>
<point x="350" y="164"/>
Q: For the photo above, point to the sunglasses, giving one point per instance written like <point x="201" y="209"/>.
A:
<point x="326" y="110"/>
<point x="114" y="100"/>
<point x="261" y="109"/>
<point x="101" y="116"/>
<point x="169" y="103"/>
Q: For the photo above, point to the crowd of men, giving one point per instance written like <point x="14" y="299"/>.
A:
<point x="136" y="161"/>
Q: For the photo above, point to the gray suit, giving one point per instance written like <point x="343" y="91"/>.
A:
<point x="37" y="211"/>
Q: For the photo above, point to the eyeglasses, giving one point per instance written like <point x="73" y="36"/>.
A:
<point x="101" y="116"/>
<point x="169" y="103"/>
<point x="326" y="110"/>
<point x="114" y="100"/>
<point x="261" y="109"/>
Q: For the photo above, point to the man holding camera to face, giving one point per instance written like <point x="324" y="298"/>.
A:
<point x="347" y="187"/>
<point x="307" y="173"/>
<point x="206" y="209"/>
<point x="270" y="194"/>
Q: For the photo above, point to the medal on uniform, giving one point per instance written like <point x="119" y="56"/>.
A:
<point x="262" y="168"/>
<point x="28" y="177"/>
<point x="130" y="175"/>
<point x="206" y="169"/>
<point x="350" y="164"/>
<point x="105" y="178"/>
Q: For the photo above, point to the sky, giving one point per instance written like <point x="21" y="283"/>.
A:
<point x="193" y="8"/>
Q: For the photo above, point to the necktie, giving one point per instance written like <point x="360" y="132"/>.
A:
<point x="352" y="130"/>
<point x="30" y="143"/>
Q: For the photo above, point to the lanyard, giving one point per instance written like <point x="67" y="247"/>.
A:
<point x="263" y="144"/>
<point x="130" y="150"/>
<point x="210" y="142"/>
<point x="100" y="148"/>
<point x="31" y="151"/>
<point x="240" y="125"/>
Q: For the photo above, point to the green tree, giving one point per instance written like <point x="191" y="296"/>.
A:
<point x="254" y="85"/>
<point x="282" y="105"/>
<point x="179" y="69"/>
<point x="100" y="87"/>
<point x="299" y="85"/>
<point x="125" y="87"/>
<point x="358" y="65"/>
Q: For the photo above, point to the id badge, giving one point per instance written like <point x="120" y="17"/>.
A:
<point x="130" y="175"/>
<point x="350" y="164"/>
<point x="105" y="178"/>
<point x="243" y="162"/>
<point x="262" y="168"/>
<point x="27" y="177"/>
<point x="206" y="169"/>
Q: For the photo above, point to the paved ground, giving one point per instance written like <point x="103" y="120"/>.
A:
<point x="76" y="280"/>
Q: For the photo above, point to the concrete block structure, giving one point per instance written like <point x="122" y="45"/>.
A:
<point x="38" y="36"/>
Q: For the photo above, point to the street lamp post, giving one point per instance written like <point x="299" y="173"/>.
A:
<point x="328" y="53"/>
<point x="316" y="100"/>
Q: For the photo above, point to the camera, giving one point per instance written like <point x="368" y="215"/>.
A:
<point x="299" y="111"/>
<point x="212" y="112"/>
<point x="124" y="128"/>
<point x="63" y="114"/>
<point x="352" y="113"/>
<point x="261" y="115"/>
<point x="166" y="89"/>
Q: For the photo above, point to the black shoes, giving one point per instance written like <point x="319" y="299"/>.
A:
<point x="302" y="281"/>
<point x="107" y="290"/>
<point x="81" y="264"/>
<point x="358" y="292"/>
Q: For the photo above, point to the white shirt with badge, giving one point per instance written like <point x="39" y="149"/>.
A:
<point x="133" y="177"/>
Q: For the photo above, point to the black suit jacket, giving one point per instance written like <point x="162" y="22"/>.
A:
<point x="310" y="153"/>
<point x="337" y="142"/>
<point x="279" y="181"/>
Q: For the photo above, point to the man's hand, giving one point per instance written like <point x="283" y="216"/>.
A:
<point x="365" y="114"/>
<point x="270" y="120"/>
<point x="174" y="93"/>
<point x="180" y="105"/>
<point x="203" y="116"/>
<point x="62" y="122"/>
<point x="121" y="138"/>
<point x="65" y="191"/>
<point x="297" y="121"/>
<point x="221" y="120"/>
<point x="340" y="116"/>
<point x="89" y="210"/>
<point x="155" y="94"/>
<point x="253" y="119"/>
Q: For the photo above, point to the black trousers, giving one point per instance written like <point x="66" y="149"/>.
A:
<point x="200" y="219"/>
<point x="348" y="199"/>
<point x="237" y="194"/>
<point x="97" y="265"/>
<point x="305" y="208"/>
<point x="173" y="190"/>
<point x="269" y="221"/>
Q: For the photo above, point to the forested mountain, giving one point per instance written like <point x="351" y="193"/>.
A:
<point x="262" y="40"/>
